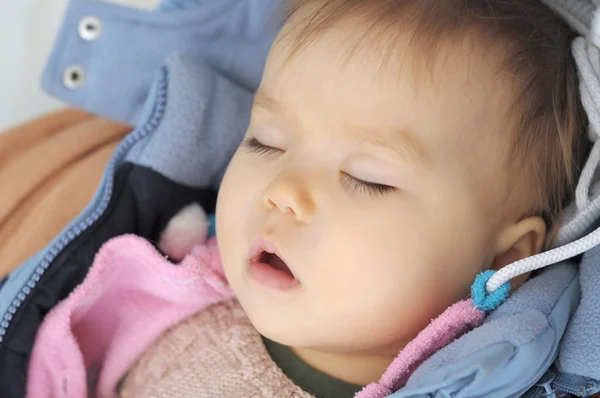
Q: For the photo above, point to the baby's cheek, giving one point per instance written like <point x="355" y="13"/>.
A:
<point x="398" y="285"/>
<point x="384" y="306"/>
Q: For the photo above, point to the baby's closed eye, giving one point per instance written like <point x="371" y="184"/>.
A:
<point x="357" y="185"/>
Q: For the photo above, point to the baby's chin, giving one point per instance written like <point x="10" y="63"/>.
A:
<point x="294" y="329"/>
<point x="271" y="329"/>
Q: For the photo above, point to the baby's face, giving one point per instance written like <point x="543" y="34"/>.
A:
<point x="371" y="184"/>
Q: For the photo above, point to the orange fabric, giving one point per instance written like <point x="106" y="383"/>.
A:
<point x="49" y="171"/>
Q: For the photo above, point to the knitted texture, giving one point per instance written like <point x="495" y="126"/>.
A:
<point x="578" y="14"/>
<point x="216" y="353"/>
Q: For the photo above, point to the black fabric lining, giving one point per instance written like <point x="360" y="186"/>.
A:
<point x="143" y="202"/>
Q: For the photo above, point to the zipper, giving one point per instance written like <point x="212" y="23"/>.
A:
<point x="550" y="388"/>
<point x="75" y="231"/>
<point x="586" y="388"/>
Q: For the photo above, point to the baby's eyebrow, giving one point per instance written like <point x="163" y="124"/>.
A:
<point x="401" y="142"/>
<point x="262" y="100"/>
<point x="266" y="103"/>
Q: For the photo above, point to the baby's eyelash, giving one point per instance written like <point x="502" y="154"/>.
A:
<point x="365" y="187"/>
<point x="255" y="146"/>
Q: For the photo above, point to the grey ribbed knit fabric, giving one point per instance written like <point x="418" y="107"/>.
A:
<point x="578" y="14"/>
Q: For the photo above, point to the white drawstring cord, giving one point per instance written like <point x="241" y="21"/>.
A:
<point x="542" y="260"/>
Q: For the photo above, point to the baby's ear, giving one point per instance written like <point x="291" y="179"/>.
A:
<point x="188" y="228"/>
<point x="519" y="240"/>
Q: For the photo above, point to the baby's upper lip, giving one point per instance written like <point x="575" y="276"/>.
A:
<point x="263" y="245"/>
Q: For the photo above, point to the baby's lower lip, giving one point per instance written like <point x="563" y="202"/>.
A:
<point x="271" y="277"/>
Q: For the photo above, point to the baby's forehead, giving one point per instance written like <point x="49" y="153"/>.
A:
<point x="429" y="30"/>
<point x="458" y="93"/>
<point x="427" y="55"/>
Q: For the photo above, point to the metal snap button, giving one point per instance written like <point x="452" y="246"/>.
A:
<point x="90" y="28"/>
<point x="73" y="77"/>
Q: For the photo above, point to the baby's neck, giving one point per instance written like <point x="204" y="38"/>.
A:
<point x="351" y="368"/>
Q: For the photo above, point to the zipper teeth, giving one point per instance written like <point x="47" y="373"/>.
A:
<point x="71" y="234"/>
<point x="566" y="389"/>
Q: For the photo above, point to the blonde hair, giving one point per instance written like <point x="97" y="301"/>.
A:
<point x="549" y="145"/>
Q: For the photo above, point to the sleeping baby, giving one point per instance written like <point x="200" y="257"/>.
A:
<point x="396" y="150"/>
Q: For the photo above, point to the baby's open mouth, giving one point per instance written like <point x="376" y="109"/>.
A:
<point x="274" y="261"/>
<point x="268" y="267"/>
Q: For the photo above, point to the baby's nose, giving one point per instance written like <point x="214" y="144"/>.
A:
<point x="290" y="194"/>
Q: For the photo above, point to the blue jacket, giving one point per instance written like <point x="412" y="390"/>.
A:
<point x="184" y="75"/>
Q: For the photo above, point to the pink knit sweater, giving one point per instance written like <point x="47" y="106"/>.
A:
<point x="215" y="353"/>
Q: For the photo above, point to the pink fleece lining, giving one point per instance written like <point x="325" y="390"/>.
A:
<point x="129" y="297"/>
<point x="132" y="294"/>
